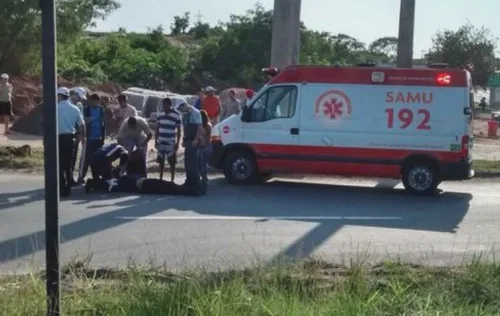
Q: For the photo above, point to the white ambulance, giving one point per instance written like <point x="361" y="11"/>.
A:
<point x="410" y="124"/>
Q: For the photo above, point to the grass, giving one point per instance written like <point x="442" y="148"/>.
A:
<point x="308" y="288"/>
<point x="10" y="160"/>
<point x="487" y="166"/>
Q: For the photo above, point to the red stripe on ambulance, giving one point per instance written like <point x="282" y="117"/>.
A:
<point x="371" y="162"/>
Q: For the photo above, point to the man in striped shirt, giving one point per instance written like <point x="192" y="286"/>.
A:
<point x="167" y="138"/>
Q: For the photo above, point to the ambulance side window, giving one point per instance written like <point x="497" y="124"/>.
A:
<point x="277" y="102"/>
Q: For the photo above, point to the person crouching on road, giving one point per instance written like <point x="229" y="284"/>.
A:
<point x="95" y="120"/>
<point x="101" y="164"/>
<point x="205" y="149"/>
<point x="68" y="116"/>
<point x="135" y="132"/>
<point x="167" y="137"/>
<point x="192" y="125"/>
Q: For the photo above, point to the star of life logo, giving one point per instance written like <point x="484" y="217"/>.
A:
<point x="332" y="106"/>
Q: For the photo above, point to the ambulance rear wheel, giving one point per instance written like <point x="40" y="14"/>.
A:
<point x="240" y="168"/>
<point x="421" y="178"/>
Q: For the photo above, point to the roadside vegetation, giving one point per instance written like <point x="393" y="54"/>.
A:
<point x="309" y="288"/>
<point x="187" y="54"/>
<point x="22" y="158"/>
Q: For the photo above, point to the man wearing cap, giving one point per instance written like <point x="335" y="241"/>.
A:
<point x="211" y="104"/>
<point x="192" y="127"/>
<point x="5" y="100"/>
<point x="77" y="96"/>
<point x="69" y="116"/>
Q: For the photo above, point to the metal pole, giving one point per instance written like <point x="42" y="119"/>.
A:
<point x="406" y="30"/>
<point x="285" y="47"/>
<point x="51" y="157"/>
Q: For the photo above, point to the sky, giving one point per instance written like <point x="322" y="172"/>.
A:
<point x="365" y="20"/>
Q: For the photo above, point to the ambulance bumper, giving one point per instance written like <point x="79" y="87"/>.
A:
<point x="215" y="158"/>
<point x="457" y="170"/>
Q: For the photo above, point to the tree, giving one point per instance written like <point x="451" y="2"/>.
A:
<point x="21" y="26"/>
<point x="385" y="45"/>
<point x="239" y="53"/>
<point x="467" y="45"/>
<point x="181" y="24"/>
<point x="200" y="30"/>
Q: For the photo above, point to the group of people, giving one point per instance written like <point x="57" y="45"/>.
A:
<point x="182" y="125"/>
<point x="217" y="111"/>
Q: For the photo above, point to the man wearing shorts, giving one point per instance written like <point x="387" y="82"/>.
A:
<point x="5" y="100"/>
<point x="168" y="136"/>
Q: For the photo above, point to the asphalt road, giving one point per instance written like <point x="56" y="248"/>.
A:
<point x="334" y="219"/>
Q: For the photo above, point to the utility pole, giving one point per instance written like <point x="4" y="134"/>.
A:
<point x="285" y="48"/>
<point x="199" y="16"/>
<point x="406" y="30"/>
<point x="51" y="157"/>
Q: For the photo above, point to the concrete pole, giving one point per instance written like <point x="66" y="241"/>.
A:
<point x="285" y="47"/>
<point x="406" y="30"/>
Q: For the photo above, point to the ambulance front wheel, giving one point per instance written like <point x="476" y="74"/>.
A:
<point x="240" y="168"/>
<point x="421" y="178"/>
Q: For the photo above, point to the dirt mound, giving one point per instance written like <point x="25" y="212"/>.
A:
<point x="28" y="92"/>
<point x="28" y="109"/>
<point x="106" y="88"/>
<point x="32" y="123"/>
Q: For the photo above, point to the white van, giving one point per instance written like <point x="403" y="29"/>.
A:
<point x="409" y="124"/>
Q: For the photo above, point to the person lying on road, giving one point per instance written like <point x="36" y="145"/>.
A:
<point x="135" y="184"/>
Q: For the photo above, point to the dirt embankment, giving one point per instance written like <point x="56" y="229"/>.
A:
<point x="28" y="92"/>
<point x="28" y="107"/>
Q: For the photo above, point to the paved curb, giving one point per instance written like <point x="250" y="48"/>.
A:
<point x="486" y="174"/>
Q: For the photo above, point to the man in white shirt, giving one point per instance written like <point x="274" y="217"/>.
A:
<point x="77" y="96"/>
<point x="231" y="106"/>
<point x="135" y="132"/>
<point x="69" y="116"/>
<point x="124" y="111"/>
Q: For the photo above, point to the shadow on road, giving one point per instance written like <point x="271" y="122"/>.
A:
<point x="20" y="198"/>
<point x="380" y="206"/>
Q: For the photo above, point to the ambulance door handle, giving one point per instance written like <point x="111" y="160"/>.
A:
<point x="294" y="131"/>
<point x="467" y="111"/>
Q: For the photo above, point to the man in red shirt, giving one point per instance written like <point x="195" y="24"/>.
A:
<point x="211" y="104"/>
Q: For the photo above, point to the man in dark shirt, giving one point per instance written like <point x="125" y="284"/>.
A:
<point x="102" y="161"/>
<point x="95" y="120"/>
